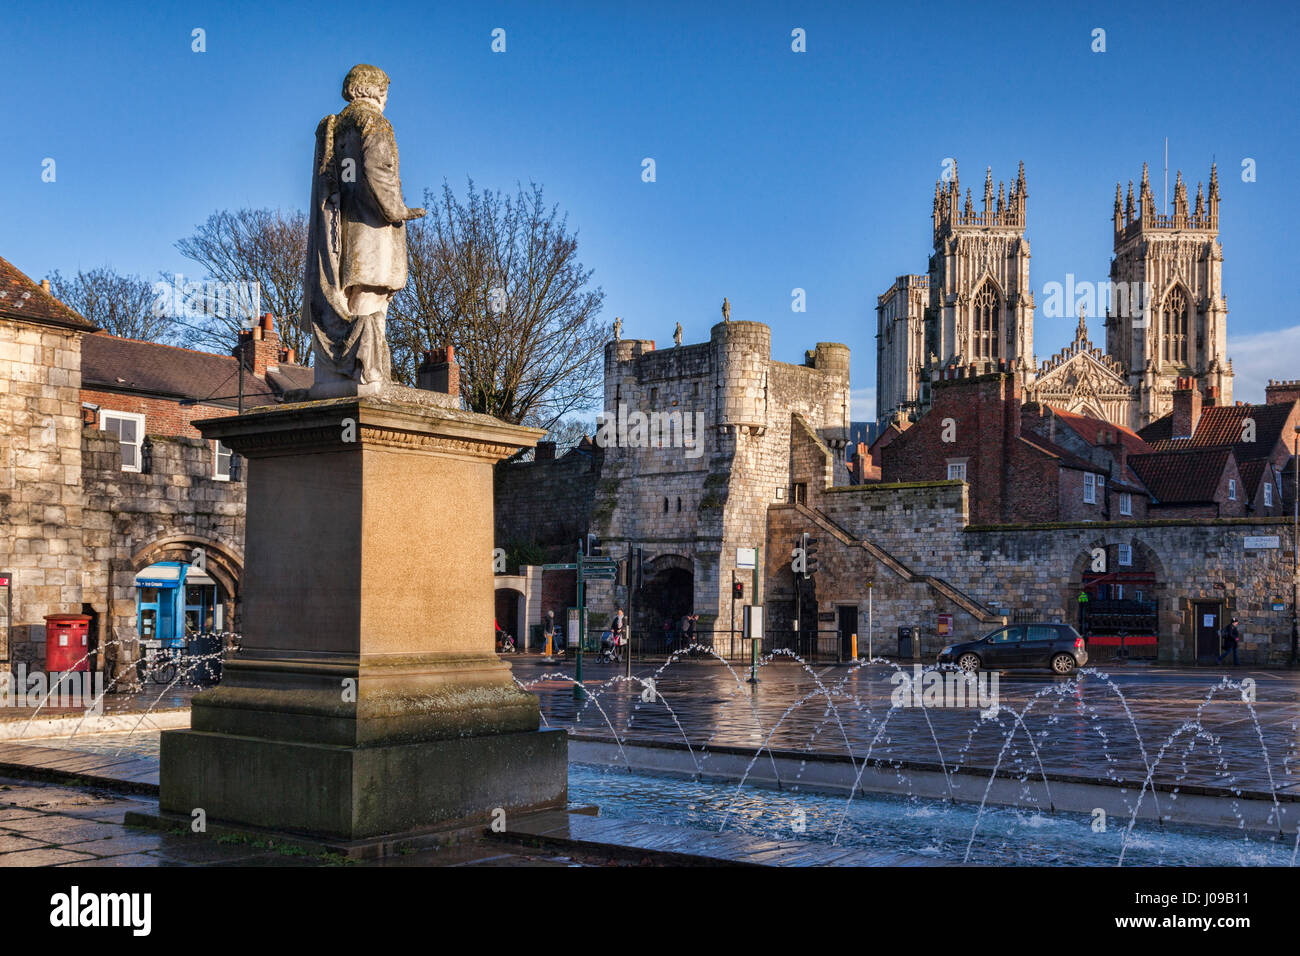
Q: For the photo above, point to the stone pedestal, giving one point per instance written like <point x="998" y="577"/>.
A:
<point x="367" y="699"/>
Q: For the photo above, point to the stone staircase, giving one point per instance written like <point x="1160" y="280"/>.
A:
<point x="978" y="611"/>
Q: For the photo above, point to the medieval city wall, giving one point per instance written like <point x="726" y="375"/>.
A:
<point x="1033" y="570"/>
<point x="546" y="503"/>
<point x="134" y="519"/>
<point x="40" y="481"/>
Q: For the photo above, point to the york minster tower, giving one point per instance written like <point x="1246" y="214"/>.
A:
<point x="1180" y="330"/>
<point x="1166" y="317"/>
<point x="975" y="305"/>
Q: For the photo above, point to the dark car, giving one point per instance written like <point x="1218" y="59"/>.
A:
<point x="1055" y="646"/>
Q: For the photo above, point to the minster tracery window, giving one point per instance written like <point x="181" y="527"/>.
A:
<point x="984" y="328"/>
<point x="1173" y="327"/>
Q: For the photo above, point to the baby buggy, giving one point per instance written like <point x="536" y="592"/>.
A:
<point x="609" y="653"/>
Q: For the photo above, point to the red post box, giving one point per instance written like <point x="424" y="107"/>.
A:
<point x="67" y="642"/>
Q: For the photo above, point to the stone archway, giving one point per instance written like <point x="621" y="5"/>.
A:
<point x="510" y="608"/>
<point x="667" y="594"/>
<point x="1118" y="594"/>
<point x="224" y="564"/>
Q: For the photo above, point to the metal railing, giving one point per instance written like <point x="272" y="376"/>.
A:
<point x="820" y="647"/>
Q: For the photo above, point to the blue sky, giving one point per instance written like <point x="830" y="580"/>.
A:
<point x="775" y="170"/>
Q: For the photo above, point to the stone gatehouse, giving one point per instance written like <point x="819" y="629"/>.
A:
<point x="695" y="490"/>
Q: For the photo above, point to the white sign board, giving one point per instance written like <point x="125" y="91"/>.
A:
<point x="746" y="557"/>
<point x="1262" y="541"/>
<point x="752" y="621"/>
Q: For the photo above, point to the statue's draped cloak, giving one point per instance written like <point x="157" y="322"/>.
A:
<point x="356" y="238"/>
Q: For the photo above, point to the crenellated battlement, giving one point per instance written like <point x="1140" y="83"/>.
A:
<point x="1132" y="219"/>
<point x="1009" y="211"/>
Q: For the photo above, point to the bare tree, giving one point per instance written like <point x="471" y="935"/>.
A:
<point x="569" y="433"/>
<point x="499" y="278"/>
<point x="121" y="305"/>
<point x="263" y="246"/>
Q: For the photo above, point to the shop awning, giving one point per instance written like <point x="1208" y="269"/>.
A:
<point x="159" y="576"/>
<point x="196" y="576"/>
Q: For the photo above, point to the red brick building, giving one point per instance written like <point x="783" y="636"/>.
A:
<point x="1023" y="463"/>
<point x="1261" y="439"/>
<point x="136" y="389"/>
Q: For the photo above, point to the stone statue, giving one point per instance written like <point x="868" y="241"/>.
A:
<point x="356" y="236"/>
<point x="726" y="310"/>
<point x="677" y="335"/>
<point x="618" y="328"/>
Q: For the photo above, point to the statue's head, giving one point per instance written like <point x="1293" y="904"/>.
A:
<point x="366" y="82"/>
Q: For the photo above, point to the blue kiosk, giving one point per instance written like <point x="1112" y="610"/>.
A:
<point x="174" y="600"/>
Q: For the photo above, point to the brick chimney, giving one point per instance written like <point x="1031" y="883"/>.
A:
<point x="440" y="373"/>
<point x="259" y="346"/>
<point x="1282" y="392"/>
<point x="1108" y="438"/>
<point x="545" y="451"/>
<point x="1187" y="408"/>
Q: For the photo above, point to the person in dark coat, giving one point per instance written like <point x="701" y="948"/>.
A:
<point x="1231" y="637"/>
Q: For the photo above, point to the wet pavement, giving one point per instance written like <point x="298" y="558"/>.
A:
<point x="44" y="824"/>
<point x="1189" y="728"/>
<point x="1232" y="729"/>
<point x="151" y="698"/>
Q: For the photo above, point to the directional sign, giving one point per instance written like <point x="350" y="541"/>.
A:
<point x="599" y="574"/>
<point x="559" y="567"/>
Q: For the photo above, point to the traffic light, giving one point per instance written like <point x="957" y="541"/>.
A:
<point x="807" y="555"/>
<point x="738" y="590"/>
<point x="810" y="564"/>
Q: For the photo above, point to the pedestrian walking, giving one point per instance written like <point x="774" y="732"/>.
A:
<point x="548" y="633"/>
<point x="1231" y="637"/>
<point x="618" y="629"/>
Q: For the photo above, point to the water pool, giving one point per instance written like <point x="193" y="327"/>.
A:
<point x="920" y="827"/>
<point x="936" y="829"/>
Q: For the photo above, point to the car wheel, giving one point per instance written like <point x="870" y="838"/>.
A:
<point x="969" y="663"/>
<point x="1063" y="664"/>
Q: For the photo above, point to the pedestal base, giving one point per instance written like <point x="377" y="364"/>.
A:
<point x="354" y="793"/>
